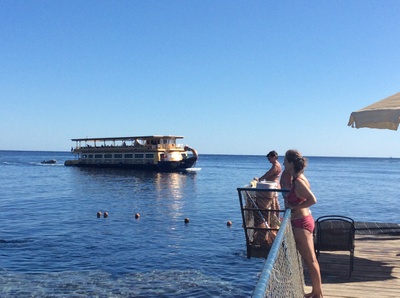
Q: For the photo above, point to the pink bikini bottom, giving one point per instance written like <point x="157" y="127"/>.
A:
<point x="306" y="222"/>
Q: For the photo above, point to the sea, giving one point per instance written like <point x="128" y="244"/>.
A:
<point x="52" y="244"/>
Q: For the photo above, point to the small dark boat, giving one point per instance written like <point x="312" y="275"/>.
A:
<point x="49" y="162"/>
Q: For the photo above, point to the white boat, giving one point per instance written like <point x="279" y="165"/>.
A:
<point x="156" y="153"/>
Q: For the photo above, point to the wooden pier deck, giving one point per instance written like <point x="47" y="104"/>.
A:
<point x="376" y="266"/>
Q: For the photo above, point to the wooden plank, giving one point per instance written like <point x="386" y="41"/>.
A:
<point x="376" y="269"/>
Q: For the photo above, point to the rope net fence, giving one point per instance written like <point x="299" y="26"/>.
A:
<point x="282" y="274"/>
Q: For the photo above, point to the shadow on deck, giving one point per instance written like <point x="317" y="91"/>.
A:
<point x="335" y="269"/>
<point x="376" y="265"/>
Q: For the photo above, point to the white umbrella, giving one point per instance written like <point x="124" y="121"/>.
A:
<point x="384" y="114"/>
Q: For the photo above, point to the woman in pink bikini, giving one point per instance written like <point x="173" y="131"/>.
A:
<point x="299" y="199"/>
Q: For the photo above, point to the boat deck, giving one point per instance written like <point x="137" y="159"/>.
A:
<point x="376" y="264"/>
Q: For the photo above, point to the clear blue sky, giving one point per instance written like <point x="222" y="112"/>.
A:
<point x="233" y="77"/>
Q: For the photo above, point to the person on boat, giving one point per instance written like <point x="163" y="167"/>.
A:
<point x="299" y="199"/>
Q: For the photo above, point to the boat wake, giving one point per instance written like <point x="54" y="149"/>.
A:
<point x="192" y="169"/>
<point x="38" y="163"/>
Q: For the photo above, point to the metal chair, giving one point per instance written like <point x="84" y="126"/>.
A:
<point x="335" y="233"/>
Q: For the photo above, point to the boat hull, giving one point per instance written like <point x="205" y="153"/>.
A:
<point x="162" y="166"/>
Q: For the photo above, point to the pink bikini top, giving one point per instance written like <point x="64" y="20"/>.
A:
<point x="292" y="197"/>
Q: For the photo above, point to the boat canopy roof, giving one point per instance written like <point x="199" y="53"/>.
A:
<point x="154" y="137"/>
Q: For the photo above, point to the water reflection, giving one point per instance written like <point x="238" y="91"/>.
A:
<point x="173" y="187"/>
<point x="162" y="193"/>
<point x="173" y="184"/>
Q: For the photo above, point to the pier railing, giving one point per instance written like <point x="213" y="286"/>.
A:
<point x="269" y="235"/>
<point x="282" y="275"/>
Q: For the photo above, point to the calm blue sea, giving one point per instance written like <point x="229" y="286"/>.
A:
<point x="53" y="245"/>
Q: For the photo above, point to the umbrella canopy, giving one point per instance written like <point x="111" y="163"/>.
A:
<point x="384" y="114"/>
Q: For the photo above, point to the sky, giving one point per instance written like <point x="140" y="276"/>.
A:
<point x="232" y="77"/>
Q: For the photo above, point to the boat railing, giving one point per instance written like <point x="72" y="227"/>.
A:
<point x="112" y="147"/>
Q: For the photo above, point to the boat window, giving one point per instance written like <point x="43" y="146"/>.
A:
<point x="119" y="155"/>
<point x="149" y="155"/>
<point x="139" y="155"/>
<point x="128" y="155"/>
<point x="98" y="156"/>
<point x="84" y="156"/>
<point x="90" y="155"/>
<point x="108" y="155"/>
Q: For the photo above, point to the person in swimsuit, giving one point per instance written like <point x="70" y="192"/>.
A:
<point x="275" y="171"/>
<point x="267" y="201"/>
<point x="299" y="199"/>
<point x="273" y="175"/>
